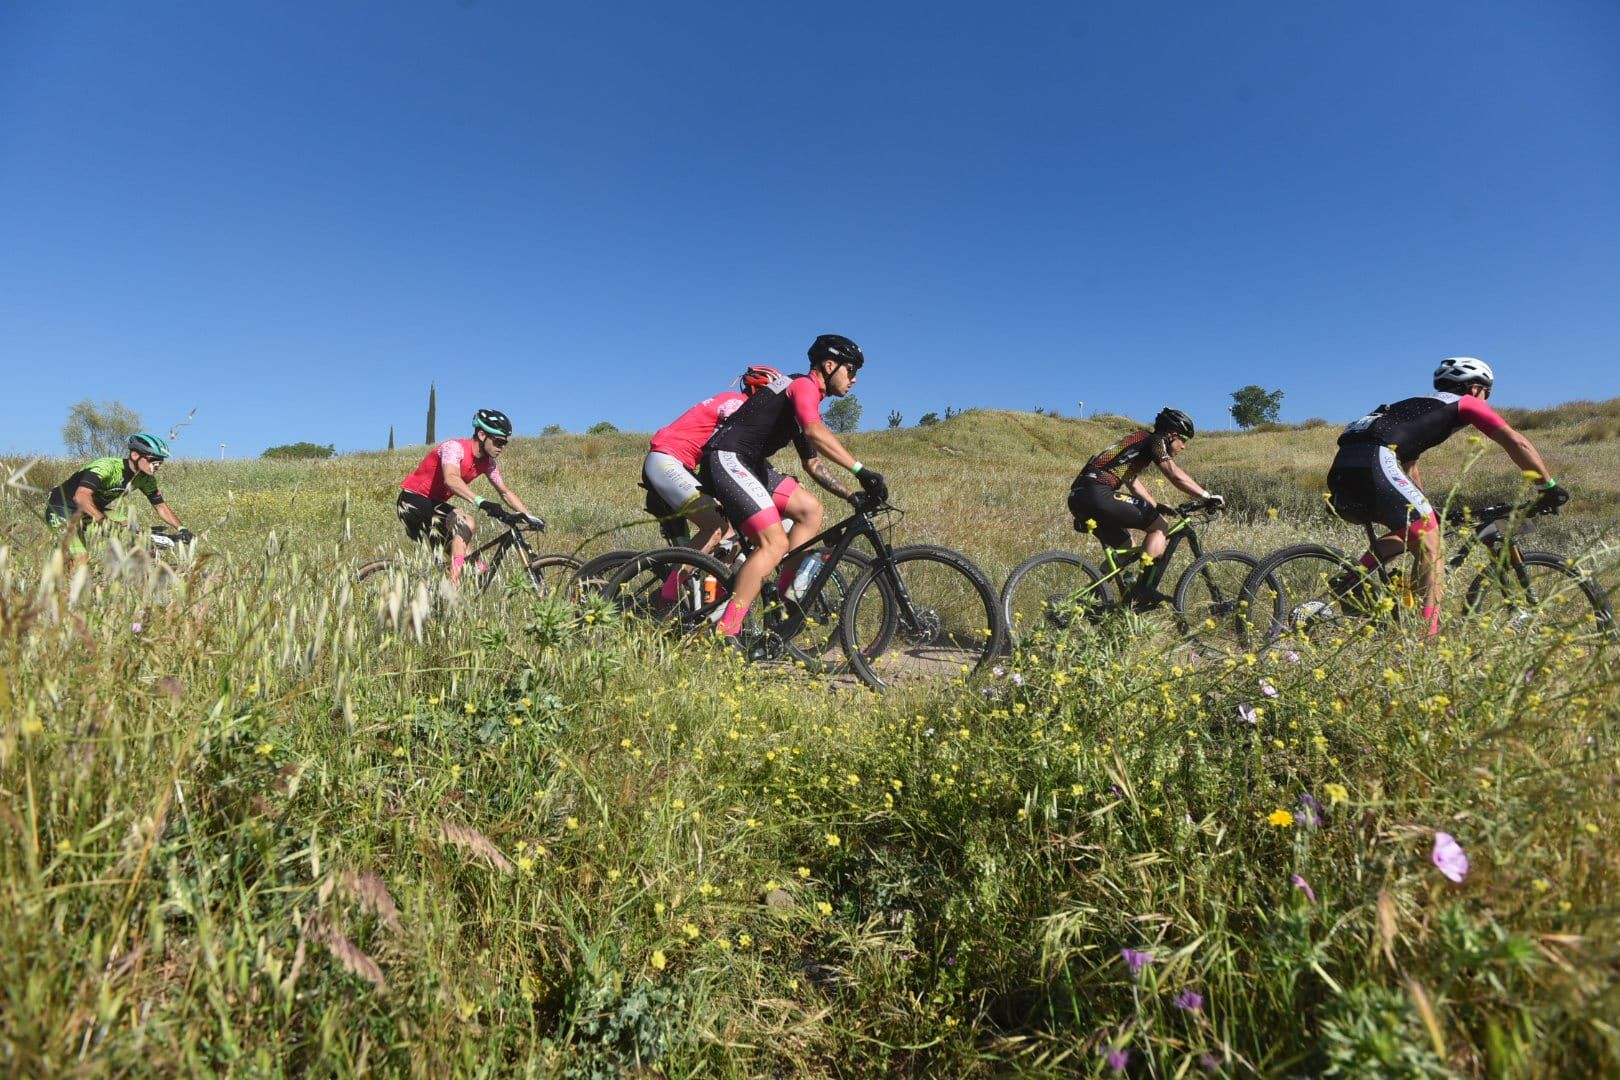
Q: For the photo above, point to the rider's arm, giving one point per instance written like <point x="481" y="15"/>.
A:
<point x="1522" y="451"/>
<point x="1140" y="490"/>
<point x="1178" y="476"/>
<point x="826" y="444"/>
<point x="451" y="472"/>
<point x="822" y="474"/>
<point x="84" y="501"/>
<point x="506" y="493"/>
<point x="167" y="515"/>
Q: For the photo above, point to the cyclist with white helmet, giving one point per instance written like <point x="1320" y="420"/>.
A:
<point x="92" y="492"/>
<point x="1375" y="479"/>
<point x="1108" y="497"/>
<point x="447" y="471"/>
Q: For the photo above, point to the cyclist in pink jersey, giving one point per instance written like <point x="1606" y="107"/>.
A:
<point x="447" y="471"/>
<point x="1375" y="479"/>
<point x="670" y="468"/>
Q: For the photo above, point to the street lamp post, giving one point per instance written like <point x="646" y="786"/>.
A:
<point x="222" y="451"/>
<point x="1082" y="410"/>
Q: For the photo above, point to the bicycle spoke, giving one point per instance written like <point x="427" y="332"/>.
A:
<point x="940" y="623"/>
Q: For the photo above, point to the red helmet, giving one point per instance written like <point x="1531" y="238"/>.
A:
<point x="756" y="376"/>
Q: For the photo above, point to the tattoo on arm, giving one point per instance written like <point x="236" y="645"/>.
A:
<point x="822" y="474"/>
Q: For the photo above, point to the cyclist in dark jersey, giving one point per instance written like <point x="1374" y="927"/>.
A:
<point x="1107" y="498"/>
<point x="424" y="506"/>
<point x="1375" y="478"/>
<point x="92" y="492"/>
<point x="736" y="466"/>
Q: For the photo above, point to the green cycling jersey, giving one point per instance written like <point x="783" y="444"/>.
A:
<point x="108" y="479"/>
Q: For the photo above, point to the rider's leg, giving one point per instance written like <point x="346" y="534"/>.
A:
<point x="770" y="544"/>
<point x="1423" y="538"/>
<point x="710" y="524"/>
<point x="462" y="528"/>
<point x="802" y="508"/>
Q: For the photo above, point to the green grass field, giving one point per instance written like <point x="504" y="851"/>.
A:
<point x="247" y="829"/>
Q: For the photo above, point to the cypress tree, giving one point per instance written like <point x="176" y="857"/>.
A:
<point x="390" y="436"/>
<point x="433" y="413"/>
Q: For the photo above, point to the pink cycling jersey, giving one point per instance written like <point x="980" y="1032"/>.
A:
<point x="428" y="479"/>
<point x="683" y="438"/>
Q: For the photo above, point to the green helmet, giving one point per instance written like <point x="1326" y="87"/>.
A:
<point x="151" y="445"/>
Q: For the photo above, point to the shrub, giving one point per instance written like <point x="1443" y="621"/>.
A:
<point x="601" y="427"/>
<point x="300" y="450"/>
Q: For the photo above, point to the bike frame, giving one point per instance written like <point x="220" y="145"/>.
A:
<point x="842" y="536"/>
<point x="503" y="543"/>
<point x="1485" y="532"/>
<point x="1121" y="559"/>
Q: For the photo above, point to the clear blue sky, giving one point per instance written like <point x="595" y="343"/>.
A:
<point x="293" y="215"/>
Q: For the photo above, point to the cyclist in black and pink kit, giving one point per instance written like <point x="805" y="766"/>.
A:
<point x="424" y="504"/>
<point x="1375" y="478"/>
<point x="670" y="468"/>
<point x="1107" y="498"/>
<point x="755" y="497"/>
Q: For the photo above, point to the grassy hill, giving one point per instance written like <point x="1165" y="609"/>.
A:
<point x="247" y="829"/>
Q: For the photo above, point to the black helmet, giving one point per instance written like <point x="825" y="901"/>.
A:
<point x="493" y="421"/>
<point x="836" y="347"/>
<point x="1173" y="422"/>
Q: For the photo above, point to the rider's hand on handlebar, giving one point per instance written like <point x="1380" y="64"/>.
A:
<point x="1214" y="502"/>
<point x="493" y="509"/>
<point x="873" y="484"/>
<point x="533" y="521"/>
<point x="1552" y="497"/>
<point x="183" y="535"/>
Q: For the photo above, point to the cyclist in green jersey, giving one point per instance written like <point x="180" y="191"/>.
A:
<point x="91" y="494"/>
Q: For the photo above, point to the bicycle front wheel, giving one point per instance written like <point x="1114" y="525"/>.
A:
<point x="1207" y="598"/>
<point x="944" y="613"/>
<point x="1308" y="592"/>
<point x="1544" y="593"/>
<point x="1050" y="592"/>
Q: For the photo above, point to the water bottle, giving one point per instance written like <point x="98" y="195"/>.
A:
<point x="807" y="573"/>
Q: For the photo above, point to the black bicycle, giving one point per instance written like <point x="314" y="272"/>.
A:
<point x="1316" y="592"/>
<point x="1050" y="591"/>
<point x="905" y="615"/>
<point x="524" y="568"/>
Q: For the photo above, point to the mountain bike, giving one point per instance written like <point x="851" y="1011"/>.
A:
<point x="526" y="571"/>
<point x="1052" y="590"/>
<point x="1316" y="592"/>
<point x="906" y="615"/>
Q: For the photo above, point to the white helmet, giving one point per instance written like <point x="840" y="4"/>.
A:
<point x="1461" y="372"/>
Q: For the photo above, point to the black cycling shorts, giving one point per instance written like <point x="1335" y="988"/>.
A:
<point x="1367" y="485"/>
<point x="423" y="518"/>
<point x="1113" y="509"/>
<point x="751" y="494"/>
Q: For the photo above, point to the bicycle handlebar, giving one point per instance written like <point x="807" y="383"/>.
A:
<point x="1481" y="516"/>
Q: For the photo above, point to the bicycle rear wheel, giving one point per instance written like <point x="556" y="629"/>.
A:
<point x="1308" y="592"/>
<point x="1207" y="598"/>
<point x="1545" y="593"/>
<point x="1049" y="592"/>
<point x="946" y="619"/>
<point x="594" y="574"/>
<point x="678" y="588"/>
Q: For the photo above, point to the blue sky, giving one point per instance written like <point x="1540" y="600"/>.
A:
<point x="295" y="215"/>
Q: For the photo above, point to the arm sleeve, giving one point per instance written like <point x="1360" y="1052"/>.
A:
<point x="806" y="401"/>
<point x="150" y="490"/>
<point x="451" y="453"/>
<point x="495" y="475"/>
<point x="1481" y="415"/>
